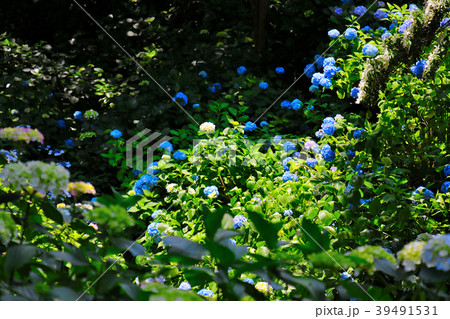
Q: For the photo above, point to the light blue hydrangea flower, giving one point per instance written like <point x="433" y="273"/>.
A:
<point x="166" y="145"/>
<point x="288" y="213"/>
<point x="311" y="162"/>
<point x="316" y="78"/>
<point x="185" y="286"/>
<point x="195" y="105"/>
<point x="146" y="182"/>
<point x="277" y="139"/>
<point x="153" y="168"/>
<point x="330" y="61"/>
<point x="417" y="69"/>
<point x="211" y="191"/>
<point x="206" y="292"/>
<point x="285" y="104"/>
<point x="320" y="133"/>
<point x="152" y="229"/>
<point x="326" y="82"/>
<point x="358" y="133"/>
<point x="426" y="193"/>
<point x="327" y="153"/>
<point x="370" y="50"/>
<point x="313" y="88"/>
<point x="330" y="71"/>
<point x="249" y="281"/>
<point x="203" y="74"/>
<point x="350" y="33"/>
<point x="436" y="253"/>
<point x="285" y="161"/>
<point x="296" y="104"/>
<point x="289" y="146"/>
<point x="78" y="115"/>
<point x="354" y="92"/>
<point x="360" y="10"/>
<point x="288" y="176"/>
<point x="329" y="129"/>
<point x="156" y="213"/>
<point x="447" y="170"/>
<point x="333" y="33"/>
<point x="386" y="35"/>
<point x="238" y="221"/>
<point x="309" y="70"/>
<point x="263" y="123"/>
<point x="405" y="25"/>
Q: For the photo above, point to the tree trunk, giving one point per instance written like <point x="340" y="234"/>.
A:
<point x="259" y="10"/>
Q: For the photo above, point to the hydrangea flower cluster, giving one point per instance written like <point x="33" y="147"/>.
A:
<point x="327" y="153"/>
<point x="203" y="74"/>
<point x="152" y="229"/>
<point x="146" y="182"/>
<point x="358" y="133"/>
<point x="370" y="50"/>
<point x="350" y="33"/>
<point x="249" y="281"/>
<point x="208" y="128"/>
<point x="61" y="124"/>
<point x="264" y="287"/>
<point x="80" y="188"/>
<point x="263" y="85"/>
<point x="250" y="127"/>
<point x="369" y="253"/>
<point x="410" y="255"/>
<point x="405" y="25"/>
<point x="295" y="104"/>
<point x="77" y="115"/>
<point x="418" y="68"/>
<point x="153" y="168"/>
<point x="360" y="10"/>
<point x="354" y="92"/>
<point x="41" y="176"/>
<point x="288" y="213"/>
<point x="426" y="193"/>
<point x="115" y="133"/>
<point x="21" y="134"/>
<point x="206" y="292"/>
<point x="181" y="96"/>
<point x="241" y="70"/>
<point x="288" y="176"/>
<point x="311" y="162"/>
<point x="263" y="123"/>
<point x="447" y="170"/>
<point x="185" y="286"/>
<point x="10" y="156"/>
<point x="167" y="146"/>
<point x="211" y="191"/>
<point x="381" y="14"/>
<point x="334" y="33"/>
<point x="309" y="71"/>
<point x="436" y="252"/>
<point x="289" y="146"/>
<point x="279" y="70"/>
<point x="179" y="155"/>
<point x="239" y="220"/>
<point x="445" y="188"/>
<point x="285" y="161"/>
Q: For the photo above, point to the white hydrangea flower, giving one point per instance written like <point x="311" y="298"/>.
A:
<point x="171" y="187"/>
<point x="208" y="127"/>
<point x="410" y="255"/>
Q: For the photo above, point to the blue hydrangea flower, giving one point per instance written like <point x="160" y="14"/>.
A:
<point x="350" y="33"/>
<point x="69" y="143"/>
<point x="358" y="132"/>
<point x="286" y="104"/>
<point x="330" y="71"/>
<point x="241" y="70"/>
<point x="152" y="229"/>
<point x="203" y="74"/>
<point x="382" y="29"/>
<point x="263" y="123"/>
<point x="313" y="88"/>
<point x="330" y="61"/>
<point x="351" y="154"/>
<point x="288" y="212"/>
<point x="61" y="124"/>
<point x="185" y="286"/>
<point x="447" y="170"/>
<point x="206" y="292"/>
<point x="316" y="78"/>
<point x="249" y="281"/>
<point x="195" y="105"/>
<point x="179" y="155"/>
<point x="329" y="129"/>
<point x="285" y="161"/>
<point x="115" y="133"/>
<point x="250" y="126"/>
<point x="279" y="70"/>
<point x="338" y="11"/>
<point x="289" y="146"/>
<point x="211" y="89"/>
<point x="238" y="221"/>
<point x="25" y="83"/>
<point x="310" y="69"/>
<point x="412" y="7"/>
<point x="277" y="139"/>
<point x="425" y="192"/>
<point x="296" y="104"/>
<point x="166" y="145"/>
<point x="319" y="60"/>
<point x="417" y="69"/>
<point x="360" y="10"/>
<point x="348" y="189"/>
<point x="311" y="162"/>
<point x="366" y="29"/>
<point x="370" y="50"/>
<point x="156" y="213"/>
<point x="354" y="92"/>
<point x="333" y="33"/>
<point x="320" y="133"/>
<point x="153" y="168"/>
<point x="404" y="25"/>
<point x="78" y="115"/>
<point x="345" y="275"/>
<point x="288" y="176"/>
<point x="211" y="191"/>
<point x="263" y="85"/>
<point x="310" y="107"/>
<point x="445" y="188"/>
<point x="380" y="14"/>
<point x="359" y="169"/>
<point x="146" y="182"/>
<point x="218" y="86"/>
<point x="386" y="35"/>
<point x="445" y="23"/>
<point x="182" y="96"/>
<point x="436" y="252"/>
<point x="327" y="153"/>
<point x="326" y="82"/>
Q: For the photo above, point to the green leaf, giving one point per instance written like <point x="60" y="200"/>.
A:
<point x="434" y="275"/>
<point x="184" y="247"/>
<point x="74" y="259"/>
<point x="225" y="255"/>
<point x="129" y="245"/>
<point x="64" y="293"/>
<point x="17" y="256"/>
<point x="267" y="230"/>
<point x="384" y="265"/>
<point x="213" y="220"/>
<point x="316" y="240"/>
<point x="51" y="212"/>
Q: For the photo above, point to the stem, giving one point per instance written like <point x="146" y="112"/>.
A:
<point x="25" y="218"/>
